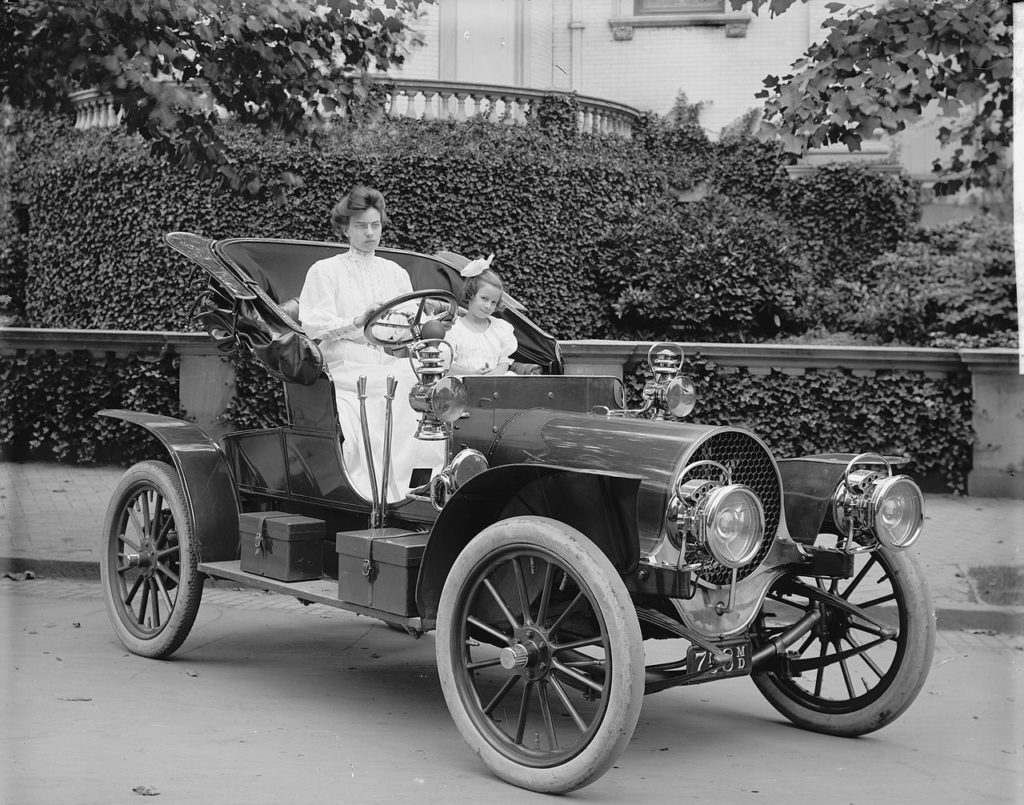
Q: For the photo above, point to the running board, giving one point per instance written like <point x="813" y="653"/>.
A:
<point x="318" y="591"/>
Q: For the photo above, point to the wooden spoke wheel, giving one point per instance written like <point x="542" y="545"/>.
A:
<point x="867" y="657"/>
<point x="540" y="654"/>
<point x="149" y="562"/>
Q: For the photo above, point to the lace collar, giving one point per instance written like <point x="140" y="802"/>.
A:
<point x="360" y="258"/>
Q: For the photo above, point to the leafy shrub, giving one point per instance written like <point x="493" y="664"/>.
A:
<point x="947" y="285"/>
<point x="541" y="198"/>
<point x="99" y="206"/>
<point x="48" y="405"/>
<point x="705" y="271"/>
<point x="587" y="231"/>
<point x="848" y="215"/>
<point x="259" y="398"/>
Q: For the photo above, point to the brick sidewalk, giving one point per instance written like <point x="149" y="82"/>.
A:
<point x="51" y="519"/>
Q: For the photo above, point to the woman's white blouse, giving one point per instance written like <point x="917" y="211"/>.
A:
<point x="480" y="351"/>
<point x="339" y="289"/>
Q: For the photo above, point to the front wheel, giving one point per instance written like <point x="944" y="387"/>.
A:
<point x="149" y="563"/>
<point x="868" y="655"/>
<point x="540" y="654"/>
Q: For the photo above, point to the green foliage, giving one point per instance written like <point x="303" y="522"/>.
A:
<point x="750" y="172"/>
<point x="757" y="257"/>
<point x="556" y="115"/>
<point x="587" y="231"/>
<point x="948" y="285"/>
<point x="259" y="398"/>
<point x="679" y="144"/>
<point x="280" y="65"/>
<point x="48" y="405"/>
<point x="879" y="68"/>
<point x="99" y="206"/>
<point x="847" y="216"/>
<point x="926" y="419"/>
<point x="706" y="271"/>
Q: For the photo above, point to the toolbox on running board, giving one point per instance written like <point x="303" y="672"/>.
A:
<point x="282" y="546"/>
<point x="377" y="568"/>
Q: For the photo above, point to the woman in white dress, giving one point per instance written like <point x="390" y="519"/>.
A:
<point x="482" y="344"/>
<point x="337" y="298"/>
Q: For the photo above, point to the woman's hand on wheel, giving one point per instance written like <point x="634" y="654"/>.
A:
<point x="362" y="318"/>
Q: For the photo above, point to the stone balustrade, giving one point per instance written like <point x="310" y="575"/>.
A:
<point x="94" y="110"/>
<point x="207" y="383"/>
<point x="429" y="100"/>
<point x="511" y="106"/>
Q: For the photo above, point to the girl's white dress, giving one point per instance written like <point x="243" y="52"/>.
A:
<point x="336" y="291"/>
<point x="480" y="351"/>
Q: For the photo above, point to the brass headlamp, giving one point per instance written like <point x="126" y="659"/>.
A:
<point x="871" y="505"/>
<point x="716" y="516"/>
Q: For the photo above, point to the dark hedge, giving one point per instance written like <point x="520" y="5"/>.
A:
<point x="48" y="405"/>
<point x="550" y="204"/>
<point x="925" y="419"/>
<point x="588" y="231"/>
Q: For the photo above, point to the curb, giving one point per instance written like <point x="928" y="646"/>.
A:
<point x="974" y="618"/>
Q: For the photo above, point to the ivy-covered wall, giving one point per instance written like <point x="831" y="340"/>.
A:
<point x="589" y="232"/>
<point x="559" y="210"/>
<point x="907" y="414"/>
<point x="48" y="405"/>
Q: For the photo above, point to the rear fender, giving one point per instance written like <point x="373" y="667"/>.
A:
<point x="601" y="505"/>
<point x="209" y="489"/>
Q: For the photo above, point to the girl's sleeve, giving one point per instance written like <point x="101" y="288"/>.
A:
<point x="321" y="311"/>
<point x="507" y="341"/>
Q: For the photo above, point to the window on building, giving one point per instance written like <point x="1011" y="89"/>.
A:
<point x="643" y="7"/>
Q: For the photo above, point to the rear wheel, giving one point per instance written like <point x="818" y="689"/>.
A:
<point x="867" y="657"/>
<point x="148" y="568"/>
<point x="540" y="654"/>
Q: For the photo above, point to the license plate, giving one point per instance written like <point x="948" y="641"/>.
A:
<point x="699" y="660"/>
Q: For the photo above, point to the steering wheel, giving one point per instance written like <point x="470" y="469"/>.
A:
<point x="399" y="322"/>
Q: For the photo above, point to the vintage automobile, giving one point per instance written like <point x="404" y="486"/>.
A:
<point x="565" y="536"/>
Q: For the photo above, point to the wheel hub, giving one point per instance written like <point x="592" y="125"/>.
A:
<point x="514" y="656"/>
<point x="528" y="654"/>
<point x="834" y="623"/>
<point x="144" y="560"/>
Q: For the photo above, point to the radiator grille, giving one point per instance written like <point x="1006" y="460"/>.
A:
<point x="751" y="464"/>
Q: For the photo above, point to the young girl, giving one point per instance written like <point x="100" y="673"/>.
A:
<point x="483" y="345"/>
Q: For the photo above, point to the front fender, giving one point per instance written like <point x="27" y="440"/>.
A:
<point x="206" y="480"/>
<point x="601" y="505"/>
<point x="808" y="484"/>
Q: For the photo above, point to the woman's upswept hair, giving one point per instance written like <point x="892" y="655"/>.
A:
<point x="358" y="199"/>
<point x="488" y="277"/>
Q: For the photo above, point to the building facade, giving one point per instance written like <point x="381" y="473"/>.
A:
<point x="644" y="53"/>
<point x="637" y="52"/>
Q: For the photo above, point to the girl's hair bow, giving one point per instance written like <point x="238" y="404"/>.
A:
<point x="474" y="268"/>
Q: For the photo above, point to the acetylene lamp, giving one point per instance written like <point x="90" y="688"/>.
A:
<point x="668" y="391"/>
<point x="440" y="400"/>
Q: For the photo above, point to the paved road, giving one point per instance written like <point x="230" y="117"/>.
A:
<point x="272" y="702"/>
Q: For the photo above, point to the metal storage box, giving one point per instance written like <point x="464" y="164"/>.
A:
<point x="377" y="568"/>
<point x="282" y="546"/>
